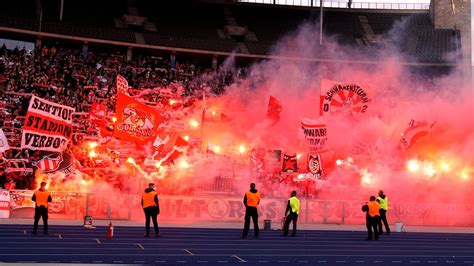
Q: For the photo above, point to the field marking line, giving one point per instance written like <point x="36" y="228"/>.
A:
<point x="238" y="258"/>
<point x="190" y="253"/>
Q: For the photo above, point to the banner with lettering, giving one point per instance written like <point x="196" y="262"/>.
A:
<point x="4" y="203"/>
<point x="135" y="120"/>
<point x="315" y="165"/>
<point x="72" y="205"/>
<point x="315" y="133"/>
<point x="345" y="99"/>
<point x="48" y="126"/>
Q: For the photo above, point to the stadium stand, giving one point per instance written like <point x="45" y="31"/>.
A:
<point x="58" y="71"/>
<point x="196" y="25"/>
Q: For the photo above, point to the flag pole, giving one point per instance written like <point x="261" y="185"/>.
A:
<point x="321" y="22"/>
<point x="202" y="119"/>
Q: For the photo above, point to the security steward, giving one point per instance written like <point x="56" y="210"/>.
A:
<point x="251" y="201"/>
<point x="41" y="197"/>
<point x="292" y="212"/>
<point x="372" y="218"/>
<point x="383" y="201"/>
<point x="151" y="208"/>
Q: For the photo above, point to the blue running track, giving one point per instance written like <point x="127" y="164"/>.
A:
<point x="192" y="246"/>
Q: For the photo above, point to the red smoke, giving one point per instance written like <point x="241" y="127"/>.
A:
<point x="366" y="144"/>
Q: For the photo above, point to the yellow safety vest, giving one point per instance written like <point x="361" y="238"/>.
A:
<point x="295" y="205"/>
<point x="383" y="203"/>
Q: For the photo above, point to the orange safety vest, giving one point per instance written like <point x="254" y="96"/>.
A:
<point x="253" y="199"/>
<point x="149" y="199"/>
<point x="374" y="208"/>
<point x="42" y="198"/>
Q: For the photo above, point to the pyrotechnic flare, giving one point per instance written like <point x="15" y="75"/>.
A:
<point x="242" y="149"/>
<point x="93" y="145"/>
<point x="92" y="154"/>
<point x="193" y="123"/>
<point x="413" y="166"/>
<point x="183" y="165"/>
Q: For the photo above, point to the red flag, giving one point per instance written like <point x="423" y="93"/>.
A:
<point x="209" y="116"/>
<point x="274" y="109"/>
<point x="98" y="116"/>
<point x="179" y="148"/>
<point x="98" y="111"/>
<point x="122" y="85"/>
<point x="135" y="120"/>
<point x="180" y="142"/>
<point x="414" y="133"/>
<point x="225" y="119"/>
<point x="159" y="145"/>
<point x="290" y="163"/>
<point x="257" y="158"/>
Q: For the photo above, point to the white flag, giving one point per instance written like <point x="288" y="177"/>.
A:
<point x="3" y="142"/>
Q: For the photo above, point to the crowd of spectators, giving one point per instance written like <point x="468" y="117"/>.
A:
<point x="73" y="78"/>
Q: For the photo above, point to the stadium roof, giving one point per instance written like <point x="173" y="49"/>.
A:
<point x="360" y="4"/>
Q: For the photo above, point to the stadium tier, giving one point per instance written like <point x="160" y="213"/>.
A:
<point x="204" y="99"/>
<point x="202" y="26"/>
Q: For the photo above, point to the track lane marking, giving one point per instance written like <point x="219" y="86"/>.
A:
<point x="189" y="252"/>
<point x="238" y="258"/>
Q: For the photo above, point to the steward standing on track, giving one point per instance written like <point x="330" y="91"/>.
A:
<point x="41" y="197"/>
<point x="251" y="201"/>
<point x="151" y="208"/>
<point x="372" y="218"/>
<point x="383" y="201"/>
<point x="292" y="212"/>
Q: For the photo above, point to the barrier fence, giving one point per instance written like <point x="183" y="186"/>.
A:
<point x="188" y="209"/>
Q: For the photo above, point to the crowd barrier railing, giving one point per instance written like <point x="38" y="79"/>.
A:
<point x="219" y="208"/>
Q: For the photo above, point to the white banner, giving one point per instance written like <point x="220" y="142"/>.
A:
<point x="315" y="134"/>
<point x="48" y="126"/>
<point x="345" y="99"/>
<point x="4" y="203"/>
<point x="3" y="142"/>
